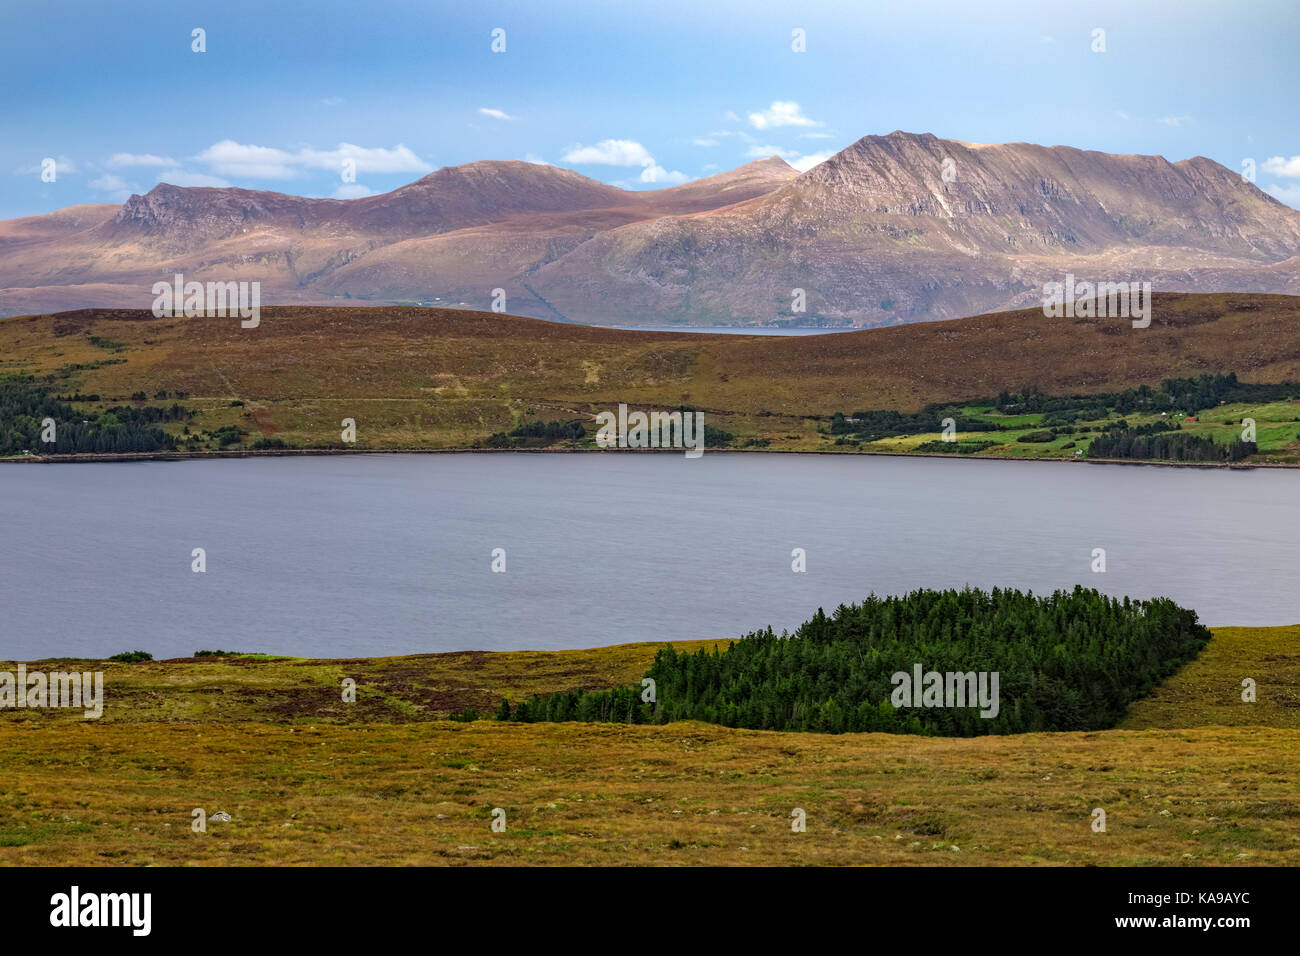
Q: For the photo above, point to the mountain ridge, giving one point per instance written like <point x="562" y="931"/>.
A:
<point x="892" y="229"/>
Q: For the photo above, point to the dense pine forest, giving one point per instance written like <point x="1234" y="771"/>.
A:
<point x="1169" y="445"/>
<point x="551" y="430"/>
<point x="1189" y="395"/>
<point x="884" y="423"/>
<point x="1068" y="661"/>
<point x="122" y="428"/>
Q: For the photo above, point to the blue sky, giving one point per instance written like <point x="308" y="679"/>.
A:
<point x="641" y="95"/>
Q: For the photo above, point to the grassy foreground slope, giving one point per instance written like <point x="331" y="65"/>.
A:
<point x="1207" y="691"/>
<point x="309" y="782"/>
<point x="436" y="378"/>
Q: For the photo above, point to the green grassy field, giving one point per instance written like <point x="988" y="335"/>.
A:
<point x="1193" y="776"/>
<point x="1277" y="431"/>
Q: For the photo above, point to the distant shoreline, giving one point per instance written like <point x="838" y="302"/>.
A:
<point x="314" y="452"/>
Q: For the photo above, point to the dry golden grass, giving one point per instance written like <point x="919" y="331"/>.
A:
<point x="608" y="794"/>
<point x="311" y="781"/>
<point x="1207" y="691"/>
<point x="389" y="689"/>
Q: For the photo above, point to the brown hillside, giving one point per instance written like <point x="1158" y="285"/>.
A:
<point x="439" y="377"/>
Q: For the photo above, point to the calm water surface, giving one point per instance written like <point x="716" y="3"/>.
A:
<point x="391" y="554"/>
<point x="728" y="329"/>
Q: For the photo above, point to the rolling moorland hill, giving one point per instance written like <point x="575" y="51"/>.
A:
<point x="876" y="235"/>
<point x="437" y="378"/>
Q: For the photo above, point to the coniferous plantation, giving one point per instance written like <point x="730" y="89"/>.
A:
<point x="122" y="428"/>
<point x="1069" y="661"/>
<point x="1166" y="445"/>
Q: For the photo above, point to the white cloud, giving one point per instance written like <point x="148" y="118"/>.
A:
<point x="805" y="163"/>
<point x="781" y="113"/>
<point x="109" y="183"/>
<point x="118" y="189"/>
<point x="535" y="159"/>
<point x="399" y="159"/>
<point x="704" y="141"/>
<point x="352" y="191"/>
<point x="800" y="161"/>
<point x="611" y="152"/>
<point x="242" y="160"/>
<point x="333" y="101"/>
<point x="1174" y="121"/>
<point x="1281" y="166"/>
<point x="657" y="174"/>
<point x="139" y="159"/>
<point x="1121" y="114"/>
<point x="181" y="177"/>
<point x="762" y="152"/>
<point x="1289" y="194"/>
<point x="63" y="166"/>
<point x="495" y="114"/>
<point x="625" y="152"/>
<point x="253" y="162"/>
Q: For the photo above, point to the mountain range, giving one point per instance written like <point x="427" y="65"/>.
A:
<point x="893" y="229"/>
